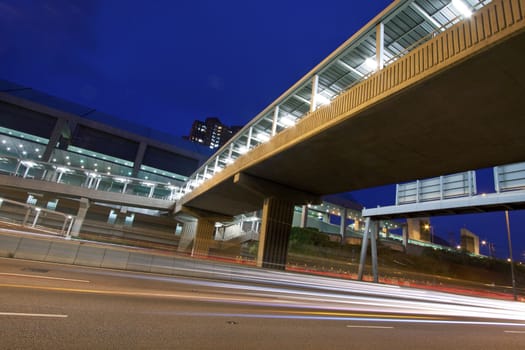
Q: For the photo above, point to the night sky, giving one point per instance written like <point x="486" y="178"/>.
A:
<point x="164" y="64"/>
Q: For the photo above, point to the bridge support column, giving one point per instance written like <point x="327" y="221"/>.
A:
<point x="342" y="225"/>
<point x="187" y="235"/>
<point x="371" y="231"/>
<point x="203" y="237"/>
<point x="199" y="228"/>
<point x="275" y="233"/>
<point x="304" y="216"/>
<point x="81" y="215"/>
<point x="405" y="236"/>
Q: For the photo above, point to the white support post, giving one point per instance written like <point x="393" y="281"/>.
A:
<point x="36" y="216"/>
<point x="27" y="171"/>
<point x="60" y="173"/>
<point x="469" y="184"/>
<point x="373" y="248"/>
<point x="68" y="233"/>
<point x="380" y="45"/>
<point x="474" y="184"/>
<point x="216" y="166"/>
<point x="315" y="87"/>
<point x="496" y="179"/>
<point x="230" y="152"/>
<point x="249" y="140"/>
<point x="441" y="187"/>
<point x="19" y="162"/>
<point x="151" y="190"/>
<point x="274" y="121"/>
<point x="364" y="246"/>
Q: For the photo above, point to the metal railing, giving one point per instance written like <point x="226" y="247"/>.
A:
<point x="90" y="179"/>
<point x="438" y="50"/>
<point x="37" y="217"/>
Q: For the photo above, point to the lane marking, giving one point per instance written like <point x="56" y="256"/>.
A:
<point x="515" y="332"/>
<point x="31" y="315"/>
<point x="372" y="327"/>
<point x="43" y="277"/>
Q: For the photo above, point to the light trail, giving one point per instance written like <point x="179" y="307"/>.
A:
<point x="42" y="277"/>
<point x="315" y="294"/>
<point x="351" y="318"/>
<point x="21" y="314"/>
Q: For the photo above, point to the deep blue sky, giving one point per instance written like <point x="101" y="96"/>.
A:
<point x="165" y="63"/>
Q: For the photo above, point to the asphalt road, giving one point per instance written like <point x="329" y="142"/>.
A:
<point x="44" y="306"/>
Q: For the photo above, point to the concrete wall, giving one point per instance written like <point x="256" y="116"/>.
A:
<point x="58" y="250"/>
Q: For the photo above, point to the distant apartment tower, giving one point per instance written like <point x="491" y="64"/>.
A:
<point x="211" y="132"/>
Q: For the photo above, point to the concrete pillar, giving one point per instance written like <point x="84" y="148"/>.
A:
<point x="189" y="229"/>
<point x="139" y="157"/>
<point x="357" y="224"/>
<point x="203" y="237"/>
<point x="373" y="247"/>
<point x="81" y="215"/>
<point x="53" y="139"/>
<point x="364" y="246"/>
<point x="342" y="225"/>
<point x="371" y="231"/>
<point x="275" y="233"/>
<point x="304" y="217"/>
<point x="405" y="236"/>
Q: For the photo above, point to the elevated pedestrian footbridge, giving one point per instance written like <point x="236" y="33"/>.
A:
<point x="444" y="94"/>
<point x="445" y="195"/>
<point x="451" y="104"/>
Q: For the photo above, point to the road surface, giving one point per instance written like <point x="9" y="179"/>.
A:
<point x="53" y="306"/>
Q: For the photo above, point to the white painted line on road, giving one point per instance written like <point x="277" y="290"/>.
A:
<point x="43" y="277"/>
<point x="515" y="332"/>
<point x="32" y="315"/>
<point x="372" y="327"/>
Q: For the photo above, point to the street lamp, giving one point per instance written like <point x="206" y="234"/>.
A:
<point x="510" y="256"/>
<point x="429" y="228"/>
<point x="490" y="247"/>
